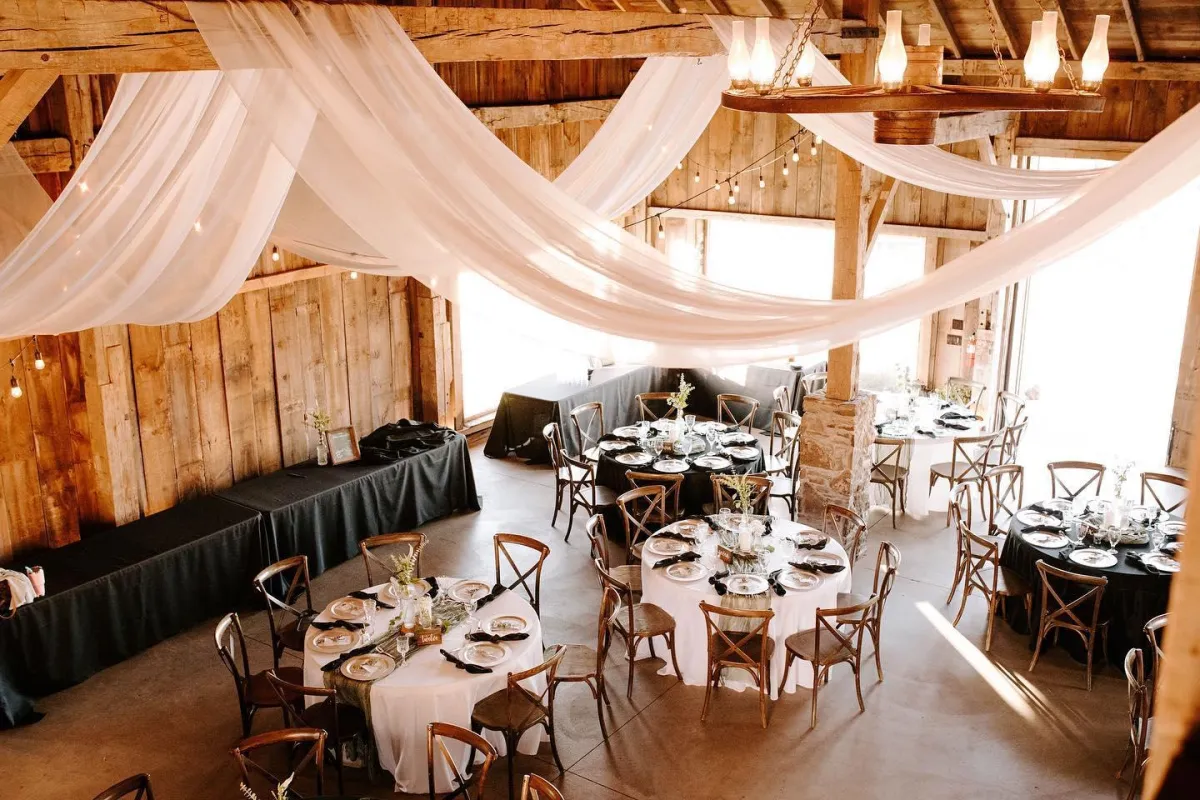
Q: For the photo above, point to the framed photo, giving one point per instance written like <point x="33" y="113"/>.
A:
<point x="343" y="445"/>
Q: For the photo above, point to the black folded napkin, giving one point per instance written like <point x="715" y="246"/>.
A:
<point x="711" y="519"/>
<point x="808" y="566"/>
<point x="496" y="591"/>
<point x="474" y="669"/>
<point x="768" y="524"/>
<point x="1044" y="529"/>
<point x="924" y="432"/>
<point x="953" y="425"/>
<point x="773" y="582"/>
<point x="1049" y="512"/>
<point x="496" y="638"/>
<point x="433" y="587"/>
<point x="339" y="623"/>
<point x="819" y="544"/>
<point x="879" y="427"/>
<point x="718" y="582"/>
<point x="346" y="656"/>
<point x="957" y="415"/>
<point x="679" y="559"/>
<point x="679" y="537"/>
<point x="1135" y="559"/>
<point x="360" y="595"/>
<point x="612" y="437"/>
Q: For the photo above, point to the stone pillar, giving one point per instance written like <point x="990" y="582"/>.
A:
<point x="836" y="438"/>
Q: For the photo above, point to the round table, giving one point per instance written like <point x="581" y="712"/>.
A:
<point x="427" y="688"/>
<point x="1133" y="595"/>
<point x="794" y="612"/>
<point x="697" y="485"/>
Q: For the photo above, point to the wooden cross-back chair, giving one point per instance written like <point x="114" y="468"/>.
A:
<point x="629" y="574"/>
<point x="1005" y="450"/>
<point x="749" y="650"/>
<point x="288" y="621"/>
<point x="672" y="485"/>
<point x="254" y="772"/>
<point x="1154" y="633"/>
<point x="634" y="622"/>
<point x="1081" y="614"/>
<point x="652" y="406"/>
<point x="536" y="787"/>
<point x="562" y="471"/>
<point x="836" y="638"/>
<point x="436" y="734"/>
<point x="887" y="566"/>
<point x="1003" y="496"/>
<point x="584" y="492"/>
<point x="889" y="470"/>
<point x="583" y="664"/>
<point x="847" y="528"/>
<point x="1140" y="698"/>
<point x="340" y="721"/>
<point x="1010" y="410"/>
<point x="1149" y="479"/>
<point x="968" y="461"/>
<point x="253" y="688"/>
<point x="724" y="496"/>
<point x="511" y="545"/>
<point x="983" y="573"/>
<point x="783" y="444"/>
<point x="977" y="391"/>
<point x="727" y="411"/>
<point x="515" y="709"/>
<point x="643" y="511"/>
<point x="815" y="382"/>
<point x="414" y="540"/>
<point x="588" y="420"/>
<point x="782" y="397"/>
<point x="1093" y="475"/>
<point x="135" y="787"/>
<point x="960" y="514"/>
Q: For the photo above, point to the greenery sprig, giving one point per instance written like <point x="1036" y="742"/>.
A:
<point x="678" y="399"/>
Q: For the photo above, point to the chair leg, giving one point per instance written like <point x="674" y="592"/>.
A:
<point x="713" y="677"/>
<point x="1037" y="648"/>
<point x="787" y="666"/>
<point x="816" y="686"/>
<point x="571" y="518"/>
<point x="1091" y="646"/>
<point x="966" y="592"/>
<point x="855" y="664"/>
<point x="674" y="660"/>
<point x="632" y="644"/>
<point x="600" y="698"/>
<point x="763" y="685"/>
<point x="651" y="643"/>
<point x="875" y="633"/>
<point x="510" y="745"/>
<point x="554" y="742"/>
<point x="987" y="639"/>
<point x="557" y="502"/>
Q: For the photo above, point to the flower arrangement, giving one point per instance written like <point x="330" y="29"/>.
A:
<point x="280" y="793"/>
<point x="958" y="393"/>
<point x="404" y="567"/>
<point x="1121" y="471"/>
<point x="743" y="491"/>
<point x="678" y="399"/>
<point x="318" y="420"/>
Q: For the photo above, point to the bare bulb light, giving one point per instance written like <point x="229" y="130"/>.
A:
<point x="736" y="189"/>
<point x="893" y="60"/>
<point x="785" y="168"/>
<point x="732" y="198"/>
<point x="1095" y="58"/>
<point x="353" y="275"/>
<point x="795" y="154"/>
<point x="762" y="59"/>
<point x="274" y="253"/>
<point x="812" y="150"/>
<point x="662" y="234"/>
<point x="15" y="388"/>
<point x="739" y="57"/>
<point x="697" y="178"/>
<point x="762" y="182"/>
<point x="39" y="363"/>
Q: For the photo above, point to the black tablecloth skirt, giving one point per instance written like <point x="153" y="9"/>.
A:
<point x="117" y="592"/>
<point x="1132" y="597"/>
<point x="323" y="512"/>
<point x="697" y="481"/>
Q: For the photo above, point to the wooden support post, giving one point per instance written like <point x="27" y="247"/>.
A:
<point x="20" y="91"/>
<point x="1187" y="385"/>
<point x="882" y="193"/>
<point x="435" y="387"/>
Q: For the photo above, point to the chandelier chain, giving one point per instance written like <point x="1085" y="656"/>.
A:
<point x="1006" y="79"/>
<point x="1062" y="55"/>
<point x="795" y="48"/>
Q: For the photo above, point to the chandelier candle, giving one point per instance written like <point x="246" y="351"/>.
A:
<point x="762" y="59"/>
<point x="1095" y="58"/>
<point x="892" y="58"/>
<point x="739" y="57"/>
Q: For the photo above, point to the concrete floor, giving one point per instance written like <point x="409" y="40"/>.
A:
<point x="947" y="722"/>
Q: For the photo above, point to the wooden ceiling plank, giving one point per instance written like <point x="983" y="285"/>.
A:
<point x="943" y="15"/>
<point x="1131" y="19"/>
<point x="1072" y="41"/>
<point x="668" y="6"/>
<point x="720" y="7"/>
<point x="1007" y="32"/>
<point x="20" y="91"/>
<point x="1117" y="70"/>
<point x="772" y="8"/>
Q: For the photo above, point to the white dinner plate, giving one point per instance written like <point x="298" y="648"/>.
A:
<point x="1058" y="504"/>
<point x="1143" y="514"/>
<point x="613" y="444"/>
<point x="1091" y="557"/>
<point x="1161" y="562"/>
<point x="742" y="453"/>
<point x="485" y="654"/>
<point x="821" y="557"/>
<point x="687" y="571"/>
<point x="388" y="592"/>
<point x="673" y="465"/>
<point x="713" y="462"/>
<point x="468" y="591"/>
<point x="627" y="432"/>
<point x="1097" y="505"/>
<point x="666" y="547"/>
<point x="1172" y="527"/>
<point x="795" y="579"/>
<point x="336" y="641"/>
<point x="1051" y="541"/>
<point x="689" y="527"/>
<point x="747" y="584"/>
<point x="737" y="437"/>
<point x="368" y="667"/>
<point x="350" y="609"/>
<point x="505" y="624"/>
<point x="663" y="424"/>
<point x="704" y="427"/>
<point x="638" y="459"/>
<point x="1030" y="517"/>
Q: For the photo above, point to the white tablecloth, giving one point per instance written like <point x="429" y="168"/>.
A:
<point x="794" y="612"/>
<point x="430" y="689"/>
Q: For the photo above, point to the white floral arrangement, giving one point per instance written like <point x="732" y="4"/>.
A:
<point x="1121" y="471"/>
<point x="404" y="567"/>
<point x="743" y="491"/>
<point x="678" y="399"/>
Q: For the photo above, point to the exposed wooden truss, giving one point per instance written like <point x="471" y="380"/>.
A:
<point x="1131" y="20"/>
<point x="1074" y="148"/>
<point x="1117" y="70"/>
<point x="965" y="127"/>
<point x="527" y="116"/>
<point x="897" y="228"/>
<point x="52" y="154"/>
<point x="20" y="91"/>
<point x="881" y="200"/>
<point x="1007" y="33"/>
<point x="1068" y="34"/>
<point x="943" y="15"/>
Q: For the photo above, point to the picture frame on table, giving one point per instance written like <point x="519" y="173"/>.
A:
<point x="343" y="445"/>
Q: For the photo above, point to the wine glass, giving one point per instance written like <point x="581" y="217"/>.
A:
<point x="690" y="421"/>
<point x="1157" y="538"/>
<point x="656" y="447"/>
<point x="710" y="437"/>
<point x="369" y="608"/>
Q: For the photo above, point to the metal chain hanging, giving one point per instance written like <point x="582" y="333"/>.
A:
<point x="795" y="49"/>
<point x="1006" y="79"/>
<point x="1062" y="56"/>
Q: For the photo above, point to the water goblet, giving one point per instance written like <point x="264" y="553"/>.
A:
<point x="1157" y="538"/>
<point x="690" y="421"/>
<point x="710" y="437"/>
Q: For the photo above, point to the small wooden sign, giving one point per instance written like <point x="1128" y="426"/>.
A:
<point x="428" y="636"/>
<point x="343" y="445"/>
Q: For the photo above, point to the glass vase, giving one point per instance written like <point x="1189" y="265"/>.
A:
<point x="322" y="451"/>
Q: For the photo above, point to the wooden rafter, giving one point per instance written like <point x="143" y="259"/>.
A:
<point x="773" y="8"/>
<point x="1072" y="41"/>
<point x="965" y="127"/>
<point x="880" y="201"/>
<point x="1117" y="70"/>
<point x="720" y="7"/>
<point x="20" y="91"/>
<point x="1074" y="148"/>
<point x="1131" y="20"/>
<point x="51" y="154"/>
<point x="1007" y="32"/>
<point x="943" y="15"/>
<point x="668" y="6"/>
<point x="527" y="116"/>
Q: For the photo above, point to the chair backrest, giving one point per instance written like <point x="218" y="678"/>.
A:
<point x="255" y="772"/>
<point x="1080" y="613"/>
<point x="293" y="572"/>
<point x="888" y="458"/>
<point x="516" y="549"/>
<point x="653" y="405"/>
<point x="887" y="566"/>
<point x="597" y="531"/>
<point x="643" y="511"/>
<point x="815" y="382"/>
<point x="231" y="647"/>
<point x="622" y="590"/>
<point x="1010" y="446"/>
<point x="414" y="540"/>
<point x="784" y="442"/>
<point x="588" y="420"/>
<point x="729" y="647"/>
<point x="724" y="496"/>
<point x="737" y="411"/>
<point x="672" y="485"/>
<point x="1153" y="482"/>
<point x="581" y="477"/>
<point x="1080" y="475"/>
<point x="549" y="667"/>
<point x="847" y="527"/>
<point x="610" y="606"/>
<point x="1154" y="632"/>
<point x="536" y="787"/>
<point x="554" y="444"/>
<point x="1139" y="699"/>
<point x="1010" y="410"/>
<point x="435" y="745"/>
<point x="977" y="392"/>
<point x="844" y="627"/>
<point x="969" y="458"/>
<point x="287" y="694"/>
<point x="961" y="504"/>
<point x="782" y="396"/>
<point x="982" y="559"/>
<point x="135" y="787"/>
<point x="1003" y="492"/>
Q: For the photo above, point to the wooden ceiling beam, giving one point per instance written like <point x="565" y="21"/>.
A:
<point x="772" y="8"/>
<point x="1117" y="70"/>
<point x="965" y="127"/>
<point x="720" y="7"/>
<point x="1131" y="20"/>
<point x="668" y="6"/>
<point x="20" y="91"/>
<point x="51" y="154"/>
<point x="528" y="116"/>
<point x="1072" y="42"/>
<point x="1007" y="32"/>
<point x="943" y="15"/>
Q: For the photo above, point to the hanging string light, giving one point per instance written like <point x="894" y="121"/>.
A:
<point x="697" y="178"/>
<point x="785" y="168"/>
<point x="39" y="363"/>
<point x="762" y="182"/>
<point x="274" y="253"/>
<point x="736" y="189"/>
<point x="795" y="154"/>
<point x="732" y="197"/>
<point x="812" y="150"/>
<point x="353" y="275"/>
<point x="662" y="233"/>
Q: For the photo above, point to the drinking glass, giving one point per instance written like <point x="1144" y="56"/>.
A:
<point x="656" y="447"/>
<point x="710" y="436"/>
<point x="369" y="614"/>
<point x="1157" y="538"/>
<point x="690" y="421"/>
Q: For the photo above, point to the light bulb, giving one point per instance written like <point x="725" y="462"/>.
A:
<point x="717" y="185"/>
<point x="15" y="391"/>
<point x="353" y="275"/>
<point x="785" y="169"/>
<point x="812" y="151"/>
<point x="39" y="363"/>
<point x="806" y="65"/>
<point x="762" y="59"/>
<point x="274" y="253"/>
<point x="196" y="226"/>
<point x="679" y="165"/>
<point x="892" y="58"/>
<point x="816" y="138"/>
<point x="732" y="199"/>
<point x="697" y="178"/>
<point x="736" y="189"/>
<point x="923" y="32"/>
<point x="762" y="182"/>
<point x="795" y="154"/>
<point x="739" y="57"/>
<point x="1035" y="42"/>
<point x="1095" y="58"/>
<point x="662" y="234"/>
